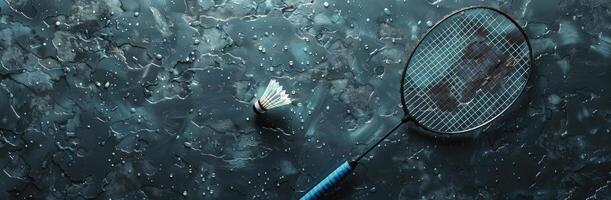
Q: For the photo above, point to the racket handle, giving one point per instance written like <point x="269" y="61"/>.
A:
<point x="330" y="181"/>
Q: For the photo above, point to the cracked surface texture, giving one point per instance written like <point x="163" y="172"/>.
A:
<point x="151" y="99"/>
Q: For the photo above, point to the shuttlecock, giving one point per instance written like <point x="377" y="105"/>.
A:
<point x="274" y="96"/>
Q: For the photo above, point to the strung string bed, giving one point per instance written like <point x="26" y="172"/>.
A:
<point x="466" y="72"/>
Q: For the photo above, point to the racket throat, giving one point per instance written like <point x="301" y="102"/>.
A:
<point x="406" y="119"/>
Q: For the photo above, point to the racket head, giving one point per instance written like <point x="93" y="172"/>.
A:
<point x="466" y="71"/>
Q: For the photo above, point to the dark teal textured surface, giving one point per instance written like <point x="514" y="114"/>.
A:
<point x="152" y="99"/>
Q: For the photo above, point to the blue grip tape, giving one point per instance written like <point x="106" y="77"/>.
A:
<point x="329" y="182"/>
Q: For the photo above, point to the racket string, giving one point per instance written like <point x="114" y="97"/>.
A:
<point x="467" y="97"/>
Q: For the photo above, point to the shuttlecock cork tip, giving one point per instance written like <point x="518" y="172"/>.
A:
<point x="258" y="108"/>
<point x="273" y="96"/>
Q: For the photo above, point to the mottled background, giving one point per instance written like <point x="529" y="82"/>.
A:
<point x="150" y="99"/>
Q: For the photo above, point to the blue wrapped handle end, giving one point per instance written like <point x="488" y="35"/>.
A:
<point x="330" y="181"/>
